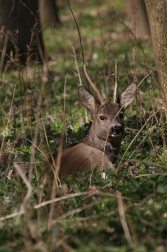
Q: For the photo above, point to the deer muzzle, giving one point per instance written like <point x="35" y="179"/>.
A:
<point x="116" y="131"/>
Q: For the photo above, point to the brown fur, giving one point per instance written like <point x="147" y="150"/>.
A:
<point x="100" y="148"/>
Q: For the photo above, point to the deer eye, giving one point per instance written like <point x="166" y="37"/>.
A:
<point x="121" y="115"/>
<point x="102" y="118"/>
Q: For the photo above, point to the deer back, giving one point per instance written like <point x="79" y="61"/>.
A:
<point x="82" y="157"/>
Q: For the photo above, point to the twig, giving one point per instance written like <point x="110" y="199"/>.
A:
<point x="93" y="85"/>
<point x="116" y="82"/>
<point x="123" y="218"/>
<point x="76" y="63"/>
<point x="80" y="40"/>
<point x="48" y="202"/>
<point x="37" y="126"/>
<point x="29" y="192"/>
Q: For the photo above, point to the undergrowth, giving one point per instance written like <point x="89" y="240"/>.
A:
<point x="39" y="106"/>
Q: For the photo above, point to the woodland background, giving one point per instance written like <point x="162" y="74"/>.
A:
<point x="40" y="111"/>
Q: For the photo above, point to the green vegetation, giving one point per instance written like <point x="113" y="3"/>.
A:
<point x="127" y="210"/>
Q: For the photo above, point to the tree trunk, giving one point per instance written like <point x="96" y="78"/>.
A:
<point x="157" y="15"/>
<point x="20" y="29"/>
<point x="20" y="32"/>
<point x="48" y="13"/>
<point x="138" y="20"/>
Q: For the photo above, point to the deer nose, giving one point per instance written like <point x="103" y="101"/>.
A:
<point x="116" y="131"/>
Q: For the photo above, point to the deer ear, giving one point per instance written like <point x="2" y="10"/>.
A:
<point x="128" y="95"/>
<point x="87" y="99"/>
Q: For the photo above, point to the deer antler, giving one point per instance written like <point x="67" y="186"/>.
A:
<point x="97" y="92"/>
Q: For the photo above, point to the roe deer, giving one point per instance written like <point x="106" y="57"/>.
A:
<point x="100" y="148"/>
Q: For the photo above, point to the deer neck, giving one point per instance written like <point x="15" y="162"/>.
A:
<point x="110" y="149"/>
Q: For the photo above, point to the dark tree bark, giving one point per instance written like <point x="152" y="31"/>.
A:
<point x="157" y="14"/>
<point x="20" y="29"/>
<point x="19" y="25"/>
<point x="138" y="20"/>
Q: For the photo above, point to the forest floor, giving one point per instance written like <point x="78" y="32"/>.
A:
<point x="39" y="106"/>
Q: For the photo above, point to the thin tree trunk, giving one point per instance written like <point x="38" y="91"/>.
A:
<point x="138" y="20"/>
<point x="48" y="12"/>
<point x="157" y="15"/>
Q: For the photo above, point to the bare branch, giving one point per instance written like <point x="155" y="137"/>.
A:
<point x="93" y="85"/>
<point x="116" y="82"/>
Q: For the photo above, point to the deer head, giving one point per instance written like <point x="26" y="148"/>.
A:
<point x="107" y="117"/>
